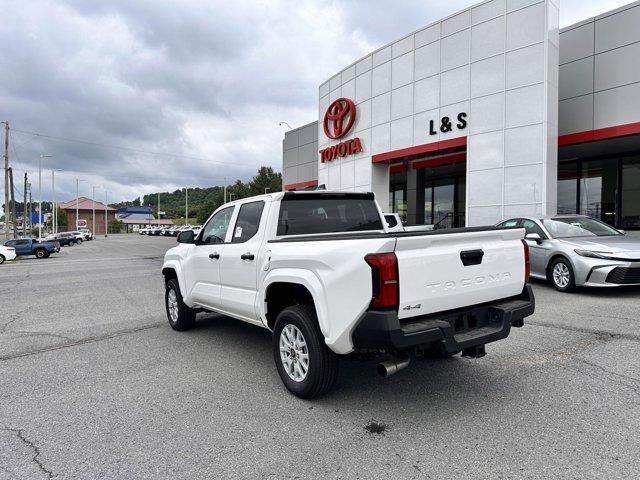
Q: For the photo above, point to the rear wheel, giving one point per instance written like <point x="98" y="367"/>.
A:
<point x="562" y="276"/>
<point x="40" y="253"/>
<point x="180" y="316"/>
<point x="79" y="241"/>
<point x="305" y="364"/>
<point x="2" y="259"/>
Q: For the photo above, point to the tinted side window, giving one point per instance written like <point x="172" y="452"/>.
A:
<point x="532" y="227"/>
<point x="391" y="220"/>
<point x="22" y="242"/>
<point x="509" y="223"/>
<point x="248" y="222"/>
<point x="215" y="230"/>
<point x="10" y="243"/>
<point x="308" y="214"/>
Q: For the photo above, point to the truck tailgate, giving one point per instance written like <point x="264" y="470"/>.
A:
<point x="440" y="272"/>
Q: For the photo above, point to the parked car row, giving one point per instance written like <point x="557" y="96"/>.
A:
<point x="169" y="230"/>
<point x="17" y="247"/>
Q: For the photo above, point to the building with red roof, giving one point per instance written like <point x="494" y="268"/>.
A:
<point x="85" y="207"/>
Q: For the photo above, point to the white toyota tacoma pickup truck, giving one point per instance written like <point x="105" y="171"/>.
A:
<point x="322" y="272"/>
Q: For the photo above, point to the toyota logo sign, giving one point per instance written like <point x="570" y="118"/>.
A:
<point x="339" y="118"/>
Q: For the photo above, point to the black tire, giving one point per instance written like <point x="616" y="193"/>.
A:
<point x="79" y="241"/>
<point x="40" y="253"/>
<point x="565" y="281"/>
<point x="2" y="259"/>
<point x="186" y="317"/>
<point x="323" y="363"/>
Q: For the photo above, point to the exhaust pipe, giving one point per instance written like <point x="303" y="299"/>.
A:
<point x="389" y="367"/>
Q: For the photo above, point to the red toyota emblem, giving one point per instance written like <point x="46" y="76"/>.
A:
<point x="339" y="118"/>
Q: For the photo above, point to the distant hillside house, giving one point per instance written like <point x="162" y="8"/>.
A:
<point x="85" y="212"/>
<point x="136" y="217"/>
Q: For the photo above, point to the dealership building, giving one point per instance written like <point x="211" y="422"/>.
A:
<point x="490" y="113"/>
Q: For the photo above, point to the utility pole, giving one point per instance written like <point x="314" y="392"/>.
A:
<point x="13" y="205"/>
<point x="186" y="205"/>
<point x="158" y="208"/>
<point x="93" y="199"/>
<point x="24" y="208"/>
<point x="106" y="225"/>
<point x="6" y="179"/>
<point x="225" y="190"/>
<point x="77" y="181"/>
<point x="30" y="207"/>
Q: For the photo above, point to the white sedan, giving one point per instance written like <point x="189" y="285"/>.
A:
<point x="7" y="253"/>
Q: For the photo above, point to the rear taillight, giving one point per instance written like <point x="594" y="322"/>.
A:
<point x="527" y="264"/>
<point x="385" y="281"/>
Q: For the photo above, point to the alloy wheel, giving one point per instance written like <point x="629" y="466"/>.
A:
<point x="172" y="303"/>
<point x="294" y="353"/>
<point x="561" y="275"/>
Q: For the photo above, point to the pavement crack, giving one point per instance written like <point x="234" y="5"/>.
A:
<point x="612" y="335"/>
<point x="97" y="338"/>
<point x="36" y="451"/>
<point x="27" y="333"/>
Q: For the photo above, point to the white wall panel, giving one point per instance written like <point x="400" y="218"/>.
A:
<point x="525" y="66"/>
<point x="427" y="35"/>
<point x="363" y="87"/>
<point x="381" y="79"/>
<point x="401" y="133"/>
<point x="426" y="94"/>
<point x="577" y="43"/>
<point x="454" y="50"/>
<point x="576" y="78"/>
<point x="402" y="102"/>
<point x="427" y="60"/>
<point x="525" y="106"/>
<point x="617" y="30"/>
<point x="487" y="76"/>
<point x="454" y="85"/>
<point x="381" y="109"/>
<point x="526" y="26"/>
<point x="487" y="11"/>
<point x="487" y="39"/>
<point x="487" y="150"/>
<point x="402" y="70"/>
<point x="524" y="145"/>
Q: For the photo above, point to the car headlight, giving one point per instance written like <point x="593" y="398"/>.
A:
<point x="587" y="253"/>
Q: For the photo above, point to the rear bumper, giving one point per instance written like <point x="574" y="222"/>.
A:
<point x="451" y="331"/>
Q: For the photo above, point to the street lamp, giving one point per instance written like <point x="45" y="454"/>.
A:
<point x="93" y="199"/>
<point x="40" y="195"/>
<point x="285" y="123"/>
<point x="54" y="219"/>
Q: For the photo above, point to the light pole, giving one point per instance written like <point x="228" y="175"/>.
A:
<point x="106" y="225"/>
<point x="186" y="205"/>
<point x="93" y="199"/>
<point x="266" y="190"/>
<point x="40" y="195"/>
<point x="54" y="219"/>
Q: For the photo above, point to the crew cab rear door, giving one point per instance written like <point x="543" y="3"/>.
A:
<point x="440" y="272"/>
<point x="239" y="260"/>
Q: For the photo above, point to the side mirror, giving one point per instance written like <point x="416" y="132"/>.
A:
<point x="534" y="237"/>
<point x="186" y="237"/>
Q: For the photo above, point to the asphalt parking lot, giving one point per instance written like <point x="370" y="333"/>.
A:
<point x="95" y="384"/>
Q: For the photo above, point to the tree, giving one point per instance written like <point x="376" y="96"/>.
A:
<point x="115" y="226"/>
<point x="265" y="181"/>
<point x="62" y="219"/>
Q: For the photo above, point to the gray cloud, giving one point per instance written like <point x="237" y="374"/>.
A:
<point x="203" y="82"/>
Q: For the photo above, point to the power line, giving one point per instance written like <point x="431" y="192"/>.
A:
<point x="117" y="147"/>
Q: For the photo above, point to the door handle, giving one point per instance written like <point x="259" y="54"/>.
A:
<point x="247" y="256"/>
<point x="471" y="257"/>
<point x="214" y="256"/>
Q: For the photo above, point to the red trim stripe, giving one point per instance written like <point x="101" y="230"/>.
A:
<point x="439" y="161"/>
<point x="599" y="134"/>
<point x="397" y="168"/>
<point x="299" y="185"/>
<point x="434" y="147"/>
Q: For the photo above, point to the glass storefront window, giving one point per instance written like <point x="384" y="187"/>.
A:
<point x="567" y="187"/>
<point x="398" y="194"/>
<point x="598" y="186"/>
<point x="630" y="208"/>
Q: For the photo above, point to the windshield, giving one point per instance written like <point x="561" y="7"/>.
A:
<point x="568" y="227"/>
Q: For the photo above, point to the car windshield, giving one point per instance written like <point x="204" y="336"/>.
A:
<point x="569" y="227"/>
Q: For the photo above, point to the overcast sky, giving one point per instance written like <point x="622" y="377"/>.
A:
<point x="183" y="93"/>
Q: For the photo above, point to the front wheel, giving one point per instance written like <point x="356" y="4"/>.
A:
<point x="79" y="241"/>
<point x="306" y="366"/>
<point x="562" y="276"/>
<point x="180" y="316"/>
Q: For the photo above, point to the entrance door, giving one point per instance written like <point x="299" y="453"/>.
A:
<point x="444" y="202"/>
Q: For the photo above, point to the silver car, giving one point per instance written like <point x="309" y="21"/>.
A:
<point x="576" y="250"/>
